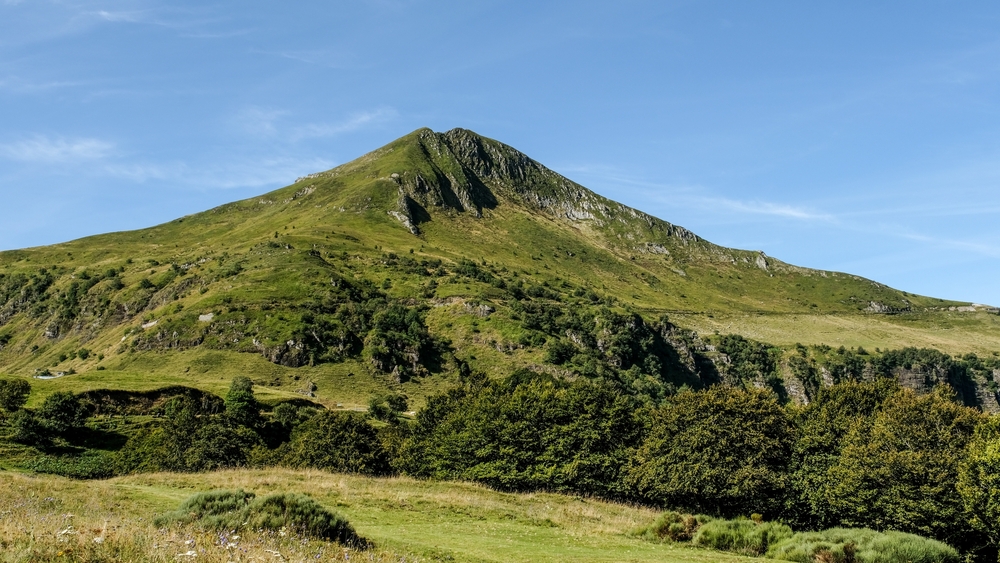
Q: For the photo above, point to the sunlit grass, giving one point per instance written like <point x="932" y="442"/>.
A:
<point x="406" y="519"/>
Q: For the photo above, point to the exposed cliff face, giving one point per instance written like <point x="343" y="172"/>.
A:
<point x="471" y="174"/>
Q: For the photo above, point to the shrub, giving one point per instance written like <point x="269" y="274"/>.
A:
<point x="27" y="429"/>
<point x="62" y="412"/>
<point x="741" y="535"/>
<point x="13" y="394"/>
<point x="234" y="510"/>
<point x="302" y="515"/>
<point x="213" y="510"/>
<point x="850" y="545"/>
<point x="338" y="441"/>
<point x="241" y="404"/>
<point x="720" y="451"/>
<point x="92" y="465"/>
<point x="673" y="526"/>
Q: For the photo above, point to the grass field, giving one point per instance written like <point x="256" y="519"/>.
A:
<point x="42" y="517"/>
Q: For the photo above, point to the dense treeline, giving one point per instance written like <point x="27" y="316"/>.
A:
<point x="865" y="454"/>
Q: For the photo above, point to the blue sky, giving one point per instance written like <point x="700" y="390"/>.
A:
<point x="860" y="137"/>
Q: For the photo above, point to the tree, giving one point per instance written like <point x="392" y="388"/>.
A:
<point x="27" y="429"/>
<point x="822" y="427"/>
<point x="979" y="480"/>
<point x="13" y="394"/>
<point x="529" y="432"/>
<point x="62" y="412"/>
<point x="242" y="407"/>
<point x="720" y="451"/>
<point x="340" y="442"/>
<point x="900" y="472"/>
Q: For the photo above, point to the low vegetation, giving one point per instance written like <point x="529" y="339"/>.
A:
<point x="862" y="455"/>
<point x="240" y="512"/>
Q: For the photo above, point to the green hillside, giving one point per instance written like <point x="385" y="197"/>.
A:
<point x="437" y="251"/>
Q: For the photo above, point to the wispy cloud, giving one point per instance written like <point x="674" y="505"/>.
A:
<point x="765" y="208"/>
<point x="57" y="150"/>
<point x="259" y="121"/>
<point x="698" y="197"/>
<point x="352" y="123"/>
<point x="240" y="172"/>
<point x="269" y="122"/>
<point x="329" y="58"/>
<point x="126" y="17"/>
<point x="20" y="85"/>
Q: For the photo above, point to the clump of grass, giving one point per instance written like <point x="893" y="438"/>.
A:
<point x="284" y="513"/>
<point x="673" y="526"/>
<point x="741" y="535"/>
<point x="855" y="545"/>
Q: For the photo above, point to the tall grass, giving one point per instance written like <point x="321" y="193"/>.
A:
<point x="743" y="536"/>
<point x="673" y="526"/>
<point x="46" y="529"/>
<point x="284" y="513"/>
<point x="854" y="545"/>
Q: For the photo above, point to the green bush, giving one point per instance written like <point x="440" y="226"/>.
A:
<point x="241" y="404"/>
<point x="62" y="412"/>
<point x="91" y="465"/>
<point x="235" y="510"/>
<point x="13" y="394"/>
<point x="673" y="526"/>
<point x="337" y="441"/>
<point x="27" y="429"/>
<point x="721" y="451"/>
<point x="741" y="535"/>
<point x="212" y="510"/>
<point x="858" y="545"/>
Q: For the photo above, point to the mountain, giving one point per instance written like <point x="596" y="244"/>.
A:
<point x="436" y="254"/>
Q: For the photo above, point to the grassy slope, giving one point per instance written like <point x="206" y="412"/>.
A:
<point x="429" y="520"/>
<point x="699" y="285"/>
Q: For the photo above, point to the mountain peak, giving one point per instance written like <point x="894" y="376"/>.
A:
<point x="461" y="171"/>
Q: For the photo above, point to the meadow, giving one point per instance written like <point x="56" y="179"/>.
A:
<point x="48" y="518"/>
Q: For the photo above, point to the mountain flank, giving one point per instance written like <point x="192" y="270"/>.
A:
<point x="445" y="253"/>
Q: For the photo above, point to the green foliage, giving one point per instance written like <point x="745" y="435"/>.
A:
<point x="27" y="429"/>
<point x="239" y="510"/>
<point x="822" y="427"/>
<point x="840" y="545"/>
<point x="623" y="347"/>
<point x="750" y="361"/>
<point x="91" y="465"/>
<point x="901" y="472"/>
<point x="397" y="341"/>
<point x="528" y="434"/>
<point x="979" y="479"/>
<point x="743" y="536"/>
<point x="720" y="451"/>
<point x="387" y="407"/>
<point x="337" y="441"/>
<point x="289" y="415"/>
<point x="241" y="404"/>
<point x="187" y="439"/>
<point x="673" y="526"/>
<point x="62" y="412"/>
<point x="13" y="394"/>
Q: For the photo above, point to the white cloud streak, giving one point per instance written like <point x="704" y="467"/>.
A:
<point x="265" y="122"/>
<point x="125" y="17"/>
<point x="352" y="123"/>
<point x="57" y="150"/>
<point x="765" y="208"/>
